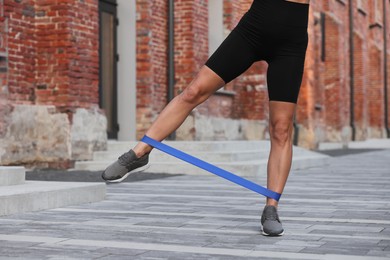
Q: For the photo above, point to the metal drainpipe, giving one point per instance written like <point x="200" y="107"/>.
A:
<point x="351" y="71"/>
<point x="171" y="54"/>
<point x="385" y="68"/>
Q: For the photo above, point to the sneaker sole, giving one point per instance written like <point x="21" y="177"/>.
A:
<point x="140" y="169"/>
<point x="271" y="235"/>
<point x="277" y="235"/>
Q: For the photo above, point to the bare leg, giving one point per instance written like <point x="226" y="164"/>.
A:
<point x="279" y="162"/>
<point x="173" y="115"/>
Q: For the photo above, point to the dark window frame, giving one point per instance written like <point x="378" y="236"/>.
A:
<point x="110" y="6"/>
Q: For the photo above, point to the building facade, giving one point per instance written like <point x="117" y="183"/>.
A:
<point x="74" y="73"/>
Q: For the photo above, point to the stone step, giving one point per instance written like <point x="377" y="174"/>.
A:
<point x="12" y="175"/>
<point x="40" y="195"/>
<point x="252" y="168"/>
<point x="197" y="146"/>
<point x="374" y="143"/>
<point x="212" y="156"/>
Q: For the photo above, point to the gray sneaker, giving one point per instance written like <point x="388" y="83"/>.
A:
<point x="271" y="225"/>
<point x="126" y="164"/>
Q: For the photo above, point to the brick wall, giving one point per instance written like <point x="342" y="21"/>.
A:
<point x="53" y="52"/>
<point x="361" y="90"/>
<point x="323" y="111"/>
<point x="21" y="54"/>
<point x="52" y="60"/>
<point x="375" y="71"/>
<point x="330" y="79"/>
<point x="152" y="43"/>
<point x="375" y="93"/>
<point x="191" y="44"/>
<point x="67" y="69"/>
<point x="333" y="86"/>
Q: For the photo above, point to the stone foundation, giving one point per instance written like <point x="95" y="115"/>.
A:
<point x="35" y="134"/>
<point x="88" y="133"/>
<point x="205" y="128"/>
<point x="40" y="137"/>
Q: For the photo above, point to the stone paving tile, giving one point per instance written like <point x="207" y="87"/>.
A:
<point x="10" y="244"/>
<point x="335" y="250"/>
<point x="323" y="212"/>
<point x="190" y="256"/>
<point x="42" y="252"/>
<point x="379" y="253"/>
<point x="120" y="252"/>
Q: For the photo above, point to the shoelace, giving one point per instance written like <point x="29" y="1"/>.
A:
<point x="124" y="159"/>
<point x="272" y="217"/>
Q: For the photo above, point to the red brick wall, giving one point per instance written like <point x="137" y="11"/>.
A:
<point x="67" y="69"/>
<point x="21" y="44"/>
<point x="53" y="59"/>
<point x="360" y="86"/>
<point x="231" y="14"/>
<point x="330" y="79"/>
<point x="375" y="94"/>
<point x="326" y="84"/>
<point x="332" y="84"/>
<point x="53" y="52"/>
<point x="191" y="43"/>
<point x="376" y="64"/>
<point x="152" y="43"/>
<point x="311" y="91"/>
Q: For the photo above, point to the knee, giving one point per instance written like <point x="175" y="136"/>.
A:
<point x="281" y="131"/>
<point x="193" y="94"/>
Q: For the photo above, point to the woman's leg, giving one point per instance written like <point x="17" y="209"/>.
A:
<point x="232" y="58"/>
<point x="280" y="157"/>
<point x="173" y="115"/>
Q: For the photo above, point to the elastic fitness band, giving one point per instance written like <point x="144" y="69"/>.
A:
<point x="211" y="168"/>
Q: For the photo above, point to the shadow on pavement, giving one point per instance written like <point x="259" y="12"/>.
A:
<point x="342" y="152"/>
<point x="88" y="176"/>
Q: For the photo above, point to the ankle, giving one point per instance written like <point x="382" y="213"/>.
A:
<point x="141" y="149"/>
<point x="271" y="202"/>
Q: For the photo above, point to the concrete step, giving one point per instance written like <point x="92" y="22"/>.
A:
<point x="250" y="168"/>
<point x="40" y="195"/>
<point x="197" y="146"/>
<point x="12" y="175"/>
<point x="374" y="143"/>
<point x="244" y="158"/>
<point x="224" y="156"/>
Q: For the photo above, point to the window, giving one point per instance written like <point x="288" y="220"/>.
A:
<point x="362" y="6"/>
<point x="378" y="11"/>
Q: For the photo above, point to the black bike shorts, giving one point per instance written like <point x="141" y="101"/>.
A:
<point x="271" y="30"/>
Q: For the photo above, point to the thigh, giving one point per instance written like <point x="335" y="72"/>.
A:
<point x="284" y="78"/>
<point x="233" y="57"/>
<point x="286" y="66"/>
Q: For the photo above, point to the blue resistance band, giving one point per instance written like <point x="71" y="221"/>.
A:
<point x="211" y="168"/>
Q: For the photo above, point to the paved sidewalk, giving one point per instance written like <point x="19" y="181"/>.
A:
<point x="338" y="212"/>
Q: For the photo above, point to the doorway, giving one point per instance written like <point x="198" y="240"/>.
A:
<point x="108" y="59"/>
